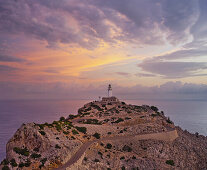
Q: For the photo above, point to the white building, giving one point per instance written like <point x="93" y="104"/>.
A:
<point x="110" y="99"/>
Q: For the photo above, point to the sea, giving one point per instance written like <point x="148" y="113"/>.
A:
<point x="189" y="115"/>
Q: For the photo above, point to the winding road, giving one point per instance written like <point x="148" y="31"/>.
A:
<point x="170" y="135"/>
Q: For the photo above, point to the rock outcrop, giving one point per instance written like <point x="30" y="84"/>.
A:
<point x="107" y="136"/>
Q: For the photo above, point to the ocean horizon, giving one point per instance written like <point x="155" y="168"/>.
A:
<point x="188" y="114"/>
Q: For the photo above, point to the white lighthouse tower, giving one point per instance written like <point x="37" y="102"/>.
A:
<point x="109" y="91"/>
<point x="110" y="99"/>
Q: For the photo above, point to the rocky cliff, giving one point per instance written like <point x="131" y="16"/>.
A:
<point x="106" y="136"/>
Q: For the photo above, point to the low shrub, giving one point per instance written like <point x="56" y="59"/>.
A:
<point x="96" y="160"/>
<point x="57" y="146"/>
<point x="35" y="155"/>
<point x="170" y="162"/>
<point x="66" y="132"/>
<point x="42" y="133"/>
<point x="75" y="132"/>
<point x="108" y="146"/>
<point x="100" y="153"/>
<point x="21" y="164"/>
<point x="154" y="108"/>
<point x="169" y="121"/>
<point x="81" y="129"/>
<point x="127" y="148"/>
<point x="36" y="149"/>
<point x="96" y="135"/>
<point x="5" y="162"/>
<point x="62" y="119"/>
<point x="58" y="127"/>
<point x="123" y="168"/>
<point x="13" y="163"/>
<point x="92" y="121"/>
<point x="20" y="151"/>
<point x="85" y="159"/>
<point x="43" y="161"/>
<point x="27" y="163"/>
<point x="118" y="120"/>
<point x="5" y="168"/>
<point x="122" y="158"/>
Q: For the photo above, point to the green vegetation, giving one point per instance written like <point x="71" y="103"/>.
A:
<point x="96" y="160"/>
<point x="100" y="153"/>
<point x="57" y="125"/>
<point x="123" y="103"/>
<point x="123" y="168"/>
<point x="5" y="162"/>
<point x="118" y="120"/>
<point x="134" y="157"/>
<point x="42" y="126"/>
<point x="62" y="119"/>
<point x="35" y="155"/>
<point x="85" y="159"/>
<point x="170" y="162"/>
<point x="127" y="118"/>
<point x="20" y="151"/>
<point x="154" y="115"/>
<point x="96" y="135"/>
<point x="57" y="146"/>
<point x="108" y="146"/>
<point x="81" y="129"/>
<point x="42" y="132"/>
<point x="36" y="149"/>
<point x="13" y="163"/>
<point x="154" y="108"/>
<point x="75" y="132"/>
<point x="122" y="158"/>
<point x="127" y="148"/>
<point x="27" y="163"/>
<point x="96" y="107"/>
<point x="109" y="133"/>
<point x="42" y="162"/>
<point x="73" y="116"/>
<point x="66" y="132"/>
<point x="92" y="121"/>
<point x="169" y="121"/>
<point x="21" y="164"/>
<point x="5" y="167"/>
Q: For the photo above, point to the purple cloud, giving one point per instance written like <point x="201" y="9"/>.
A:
<point x="174" y="70"/>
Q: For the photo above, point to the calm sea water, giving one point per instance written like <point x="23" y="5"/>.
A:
<point x="190" y="115"/>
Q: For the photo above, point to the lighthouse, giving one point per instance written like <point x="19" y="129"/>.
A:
<point x="109" y="99"/>
<point x="109" y="91"/>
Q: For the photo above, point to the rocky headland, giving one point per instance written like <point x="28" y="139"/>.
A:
<point x="112" y="135"/>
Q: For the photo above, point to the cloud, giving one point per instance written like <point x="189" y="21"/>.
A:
<point x="60" y="90"/>
<point x="182" y="54"/>
<point x="6" y="58"/>
<point x="88" y="23"/>
<point x="4" y="68"/>
<point x="123" y="74"/>
<point x="174" y="69"/>
<point x="145" y="75"/>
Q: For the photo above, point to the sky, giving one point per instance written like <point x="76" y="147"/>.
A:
<point x="72" y="49"/>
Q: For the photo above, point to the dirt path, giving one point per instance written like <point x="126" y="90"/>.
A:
<point x="86" y="145"/>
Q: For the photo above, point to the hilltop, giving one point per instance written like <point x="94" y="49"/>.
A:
<point x="107" y="135"/>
